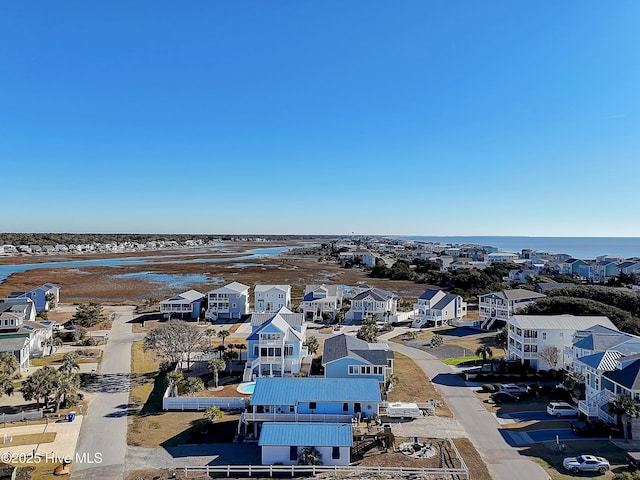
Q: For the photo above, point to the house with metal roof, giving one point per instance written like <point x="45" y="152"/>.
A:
<point x="20" y="334"/>
<point x="275" y="345"/>
<point x="321" y="302"/>
<point x="283" y="443"/>
<point x="497" y="307"/>
<point x="44" y="297"/>
<point x="528" y="335"/>
<point x="332" y="400"/>
<point x="184" y="305"/>
<point x="373" y="302"/>
<point x="345" y="356"/>
<point x="228" y="302"/>
<point x="436" y="308"/>
<point x="271" y="298"/>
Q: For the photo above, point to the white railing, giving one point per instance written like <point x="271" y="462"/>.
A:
<point x="201" y="403"/>
<point x="402" y="316"/>
<point x="592" y="407"/>
<point x="15" y="417"/>
<point x="295" y="417"/>
<point x="293" y="470"/>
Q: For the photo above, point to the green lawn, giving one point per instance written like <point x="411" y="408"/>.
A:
<point x="461" y="361"/>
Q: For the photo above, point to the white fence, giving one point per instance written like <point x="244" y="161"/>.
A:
<point x="403" y="316"/>
<point x="294" y="470"/>
<point x="202" y="403"/>
<point x="18" y="417"/>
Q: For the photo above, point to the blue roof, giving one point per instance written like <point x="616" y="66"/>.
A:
<point x="601" y="361"/>
<point x="305" y="434"/>
<point x="292" y="390"/>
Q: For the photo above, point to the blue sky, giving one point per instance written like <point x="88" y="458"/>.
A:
<point x="412" y="117"/>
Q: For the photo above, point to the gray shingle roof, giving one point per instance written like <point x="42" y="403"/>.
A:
<point x="341" y="346"/>
<point x="376" y="294"/>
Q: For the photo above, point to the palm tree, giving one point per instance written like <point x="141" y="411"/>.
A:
<point x="213" y="414"/>
<point x="39" y="385"/>
<point x="484" y="351"/>
<point x="501" y="338"/>
<point x="223" y="334"/>
<point x="192" y="385"/>
<point x="312" y="344"/>
<point x="8" y="363"/>
<point x="65" y="386"/>
<point x="6" y="385"/>
<point x="392" y="381"/>
<point x="216" y="366"/>
<point x="625" y="409"/>
<point x="228" y="357"/>
<point x="240" y="347"/>
<point x="221" y="349"/>
<point x="69" y="362"/>
<point x="53" y="343"/>
<point x="309" y="456"/>
<point x="172" y="380"/>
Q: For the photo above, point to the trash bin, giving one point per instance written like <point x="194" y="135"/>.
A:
<point x="71" y="416"/>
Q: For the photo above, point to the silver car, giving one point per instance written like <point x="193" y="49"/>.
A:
<point x="586" y="463"/>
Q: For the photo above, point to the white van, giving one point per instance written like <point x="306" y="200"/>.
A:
<point x="561" y="409"/>
<point x="403" y="410"/>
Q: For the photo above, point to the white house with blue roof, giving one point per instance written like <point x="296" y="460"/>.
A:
<point x="345" y="356"/>
<point x="436" y="308"/>
<point x="275" y="345"/>
<point x="283" y="443"/>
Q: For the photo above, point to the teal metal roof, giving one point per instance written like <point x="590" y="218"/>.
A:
<point x="305" y="434"/>
<point x="292" y="390"/>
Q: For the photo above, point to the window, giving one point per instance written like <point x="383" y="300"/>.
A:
<point x="255" y="350"/>
<point x="345" y="407"/>
<point x="293" y="453"/>
<point x="312" y="405"/>
<point x="354" y="369"/>
<point x="335" y="453"/>
<point x="234" y="305"/>
<point x="288" y="350"/>
<point x="544" y="335"/>
<point x="377" y="370"/>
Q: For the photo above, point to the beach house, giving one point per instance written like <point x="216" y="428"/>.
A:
<point x="271" y="298"/>
<point x="345" y="356"/>
<point x="321" y="302"/>
<point x="184" y="305"/>
<point x="373" y="302"/>
<point x="436" y="308"/>
<point x="44" y="297"/>
<point x="228" y="302"/>
<point x="500" y="306"/>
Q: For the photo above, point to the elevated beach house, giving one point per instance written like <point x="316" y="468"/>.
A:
<point x="373" y="302"/>
<point x="274" y="347"/>
<point x="345" y="356"/>
<point x="228" y="302"/>
<point x="45" y="297"/>
<point x="436" y="308"/>
<point x="184" y="305"/>
<point x="20" y="334"/>
<point x="321" y="302"/>
<point x="500" y="306"/>
<point x="271" y="298"/>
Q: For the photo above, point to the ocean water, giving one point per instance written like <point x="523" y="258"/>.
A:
<point x="579" y="247"/>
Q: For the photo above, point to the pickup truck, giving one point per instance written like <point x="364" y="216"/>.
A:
<point x="595" y="428"/>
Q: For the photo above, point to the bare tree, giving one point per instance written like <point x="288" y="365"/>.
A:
<point x="549" y="354"/>
<point x="174" y="339"/>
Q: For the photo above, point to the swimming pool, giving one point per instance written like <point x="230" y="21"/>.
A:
<point x="246" y="388"/>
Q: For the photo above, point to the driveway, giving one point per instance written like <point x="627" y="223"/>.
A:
<point x="104" y="429"/>
<point x="481" y="426"/>
<point x="520" y="439"/>
<point x="533" y="415"/>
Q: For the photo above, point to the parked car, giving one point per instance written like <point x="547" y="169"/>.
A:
<point x="503" y="397"/>
<point x="561" y="409"/>
<point x="595" y="428"/>
<point x="586" y="463"/>
<point x="514" y="389"/>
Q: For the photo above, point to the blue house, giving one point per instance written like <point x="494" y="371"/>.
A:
<point x="274" y="347"/>
<point x="299" y="398"/>
<point x="230" y="301"/>
<point x="39" y="297"/>
<point x="185" y="305"/>
<point x="345" y="356"/>
<point x="282" y="443"/>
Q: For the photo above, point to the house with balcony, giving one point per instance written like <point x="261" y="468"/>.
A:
<point x="500" y="306"/>
<point x="321" y="302"/>
<point x="529" y="334"/>
<point x="184" y="305"/>
<point x="44" y="297"/>
<point x="275" y="345"/>
<point x="373" y="302"/>
<point x="228" y="302"/>
<point x="630" y="266"/>
<point x="436" y="308"/>
<point x="570" y="266"/>
<point x="20" y="333"/>
<point x="520" y="275"/>
<point x="345" y="356"/>
<point x="271" y="298"/>
<point x="502" y="257"/>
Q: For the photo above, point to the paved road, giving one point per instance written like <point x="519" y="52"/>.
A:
<point x="481" y="426"/>
<point x="104" y="430"/>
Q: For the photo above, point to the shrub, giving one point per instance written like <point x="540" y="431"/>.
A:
<point x="89" y="342"/>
